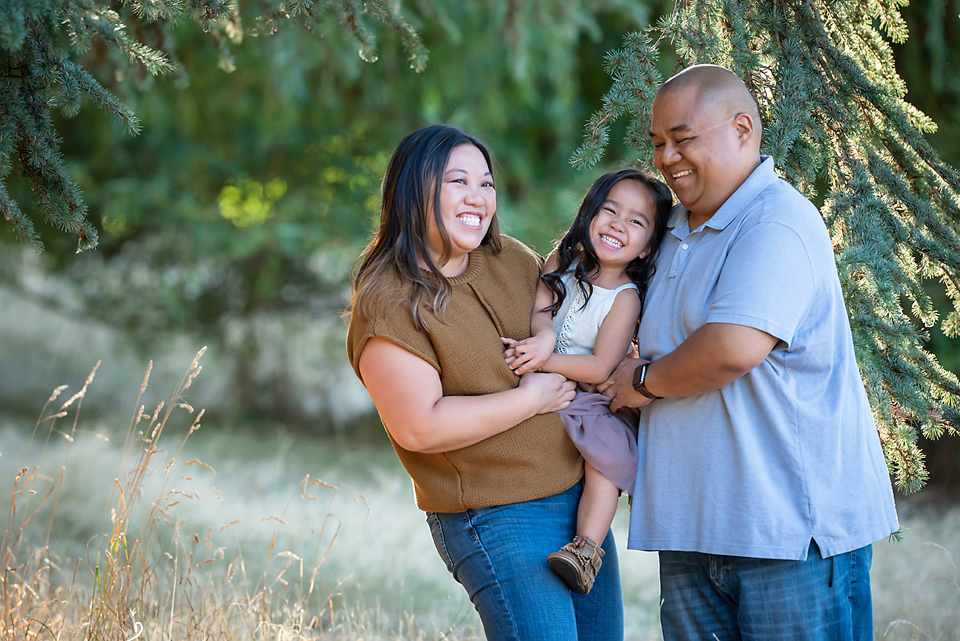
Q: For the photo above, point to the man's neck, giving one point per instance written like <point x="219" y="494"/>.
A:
<point x="698" y="219"/>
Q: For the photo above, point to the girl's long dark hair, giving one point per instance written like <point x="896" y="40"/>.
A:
<point x="415" y="171"/>
<point x="575" y="246"/>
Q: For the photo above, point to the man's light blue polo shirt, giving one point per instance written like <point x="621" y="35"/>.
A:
<point x="789" y="452"/>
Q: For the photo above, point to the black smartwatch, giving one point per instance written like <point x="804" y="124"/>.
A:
<point x="640" y="382"/>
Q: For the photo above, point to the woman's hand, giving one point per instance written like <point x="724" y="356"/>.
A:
<point x="552" y="391"/>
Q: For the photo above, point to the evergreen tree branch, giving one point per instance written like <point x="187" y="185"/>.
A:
<point x="833" y="106"/>
<point x="39" y="74"/>
<point x="349" y="13"/>
<point x="416" y="52"/>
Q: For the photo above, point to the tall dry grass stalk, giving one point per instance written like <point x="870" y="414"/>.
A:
<point x="146" y="576"/>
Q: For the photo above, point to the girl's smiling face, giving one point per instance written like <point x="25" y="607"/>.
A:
<point x="621" y="230"/>
<point x="468" y="203"/>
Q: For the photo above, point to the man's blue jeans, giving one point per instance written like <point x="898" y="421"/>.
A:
<point x="727" y="598"/>
<point x="499" y="555"/>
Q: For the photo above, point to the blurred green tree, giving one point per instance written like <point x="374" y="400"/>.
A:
<point x="39" y="75"/>
<point x="251" y="192"/>
<point x="254" y="178"/>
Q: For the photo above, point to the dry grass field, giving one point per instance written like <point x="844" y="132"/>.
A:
<point x="170" y="528"/>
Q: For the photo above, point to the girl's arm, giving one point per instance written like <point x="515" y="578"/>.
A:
<point x="613" y="339"/>
<point x="529" y="354"/>
<point x="406" y="391"/>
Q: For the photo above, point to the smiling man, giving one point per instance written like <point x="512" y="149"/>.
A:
<point x="762" y="482"/>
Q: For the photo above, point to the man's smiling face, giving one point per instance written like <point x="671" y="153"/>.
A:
<point x="696" y="148"/>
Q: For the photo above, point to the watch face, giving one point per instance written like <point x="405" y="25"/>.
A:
<point x="638" y="375"/>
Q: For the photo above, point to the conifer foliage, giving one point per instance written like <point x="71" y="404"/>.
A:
<point x="835" y="120"/>
<point x="839" y="129"/>
<point x="41" y="41"/>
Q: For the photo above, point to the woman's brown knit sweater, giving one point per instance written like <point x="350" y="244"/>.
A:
<point x="492" y="298"/>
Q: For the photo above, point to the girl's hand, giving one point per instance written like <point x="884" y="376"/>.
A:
<point x="529" y="354"/>
<point x="553" y="391"/>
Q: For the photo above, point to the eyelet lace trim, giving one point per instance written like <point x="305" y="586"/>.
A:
<point x="563" y="339"/>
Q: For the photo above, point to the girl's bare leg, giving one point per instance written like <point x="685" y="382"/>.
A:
<point x="598" y="505"/>
<point x="578" y="562"/>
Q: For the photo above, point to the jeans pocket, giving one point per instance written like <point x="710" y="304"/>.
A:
<point x="436" y="531"/>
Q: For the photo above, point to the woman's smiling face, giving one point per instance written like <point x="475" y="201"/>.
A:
<point x="468" y="203"/>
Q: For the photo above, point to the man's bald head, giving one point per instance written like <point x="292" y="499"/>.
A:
<point x="717" y="87"/>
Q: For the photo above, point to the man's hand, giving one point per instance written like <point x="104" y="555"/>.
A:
<point x="529" y="354"/>
<point x="619" y="386"/>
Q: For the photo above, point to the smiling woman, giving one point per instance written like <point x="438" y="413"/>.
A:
<point x="490" y="461"/>
<point x="468" y="204"/>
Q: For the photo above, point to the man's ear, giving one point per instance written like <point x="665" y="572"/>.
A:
<point x="744" y="124"/>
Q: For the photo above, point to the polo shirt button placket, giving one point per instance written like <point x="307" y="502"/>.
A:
<point x="680" y="258"/>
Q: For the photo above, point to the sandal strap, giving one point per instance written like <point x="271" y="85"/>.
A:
<point x="591" y="562"/>
<point x="593" y="545"/>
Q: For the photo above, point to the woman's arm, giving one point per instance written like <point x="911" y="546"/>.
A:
<point x="406" y="390"/>
<point x="613" y="339"/>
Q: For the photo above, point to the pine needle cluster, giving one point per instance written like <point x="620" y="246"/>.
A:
<point x="41" y="42"/>
<point x="839" y="129"/>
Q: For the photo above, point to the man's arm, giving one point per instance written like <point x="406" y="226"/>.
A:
<point x="713" y="356"/>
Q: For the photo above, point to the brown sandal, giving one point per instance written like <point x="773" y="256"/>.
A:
<point x="577" y="565"/>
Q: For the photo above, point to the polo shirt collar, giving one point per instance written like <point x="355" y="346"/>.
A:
<point x="743" y="196"/>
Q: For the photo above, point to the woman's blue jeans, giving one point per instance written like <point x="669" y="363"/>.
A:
<point x="499" y="555"/>
<point x="728" y="598"/>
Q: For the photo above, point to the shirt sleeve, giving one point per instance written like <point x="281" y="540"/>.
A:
<point x="767" y="282"/>
<point x="394" y="323"/>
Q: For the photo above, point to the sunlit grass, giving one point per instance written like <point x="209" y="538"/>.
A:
<point x="169" y="526"/>
<point x="137" y="541"/>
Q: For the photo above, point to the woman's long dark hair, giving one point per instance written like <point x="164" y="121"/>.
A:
<point x="415" y="171"/>
<point x="575" y="246"/>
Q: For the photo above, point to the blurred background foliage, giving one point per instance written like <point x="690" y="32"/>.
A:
<point x="254" y="180"/>
<point x="239" y="180"/>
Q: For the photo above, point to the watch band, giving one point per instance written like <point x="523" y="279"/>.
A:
<point x="640" y="382"/>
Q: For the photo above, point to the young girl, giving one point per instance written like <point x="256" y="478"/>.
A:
<point x="583" y="323"/>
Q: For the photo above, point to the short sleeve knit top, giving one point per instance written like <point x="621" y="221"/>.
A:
<point x="492" y="298"/>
